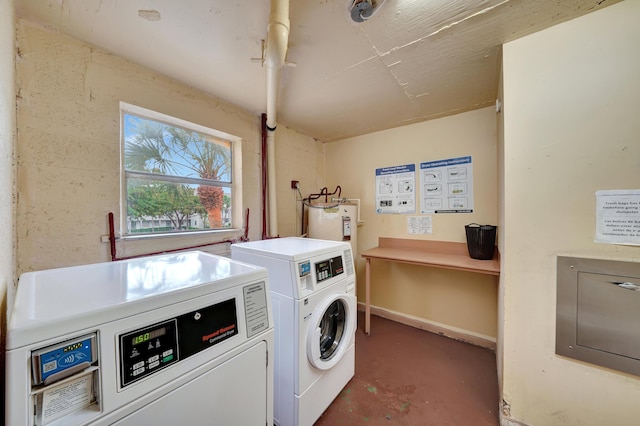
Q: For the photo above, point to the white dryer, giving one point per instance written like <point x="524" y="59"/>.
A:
<point x="314" y="306"/>
<point x="165" y="340"/>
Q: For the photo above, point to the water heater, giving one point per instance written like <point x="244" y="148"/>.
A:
<point x="336" y="222"/>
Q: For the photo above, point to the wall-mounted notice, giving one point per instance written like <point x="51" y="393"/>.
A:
<point x="395" y="189"/>
<point x="447" y="186"/>
<point x="618" y="217"/>
<point x="419" y="225"/>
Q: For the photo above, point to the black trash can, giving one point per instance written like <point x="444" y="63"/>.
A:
<point x="481" y="240"/>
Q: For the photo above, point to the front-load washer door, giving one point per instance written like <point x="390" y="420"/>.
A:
<point x="332" y="328"/>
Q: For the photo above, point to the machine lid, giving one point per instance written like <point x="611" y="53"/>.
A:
<point x="290" y="248"/>
<point x="88" y="295"/>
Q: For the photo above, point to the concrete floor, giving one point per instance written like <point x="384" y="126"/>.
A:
<point x="407" y="376"/>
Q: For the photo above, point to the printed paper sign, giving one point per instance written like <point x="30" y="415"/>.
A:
<point x="419" y="225"/>
<point x="66" y="398"/>
<point x="255" y="305"/>
<point x="618" y="217"/>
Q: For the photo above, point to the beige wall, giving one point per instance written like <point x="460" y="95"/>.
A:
<point x="501" y="235"/>
<point x="299" y="158"/>
<point x="571" y="127"/>
<point x="460" y="301"/>
<point x="69" y="149"/>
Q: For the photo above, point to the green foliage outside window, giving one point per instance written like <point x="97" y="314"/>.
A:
<point x="176" y="179"/>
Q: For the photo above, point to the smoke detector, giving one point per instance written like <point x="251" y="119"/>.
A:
<point x="361" y="10"/>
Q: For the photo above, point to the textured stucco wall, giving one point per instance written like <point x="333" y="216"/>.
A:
<point x="7" y="167"/>
<point x="302" y="159"/>
<point x="69" y="148"/>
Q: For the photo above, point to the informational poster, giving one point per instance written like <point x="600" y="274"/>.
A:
<point x="447" y="186"/>
<point x="618" y="217"/>
<point x="395" y="189"/>
<point x="419" y="225"/>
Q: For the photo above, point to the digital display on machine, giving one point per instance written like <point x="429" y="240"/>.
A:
<point x="148" y="335"/>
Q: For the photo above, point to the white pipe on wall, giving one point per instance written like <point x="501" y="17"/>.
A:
<point x="277" y="41"/>
<point x="271" y="184"/>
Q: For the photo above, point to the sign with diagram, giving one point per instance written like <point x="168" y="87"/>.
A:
<point x="395" y="189"/>
<point x="447" y="186"/>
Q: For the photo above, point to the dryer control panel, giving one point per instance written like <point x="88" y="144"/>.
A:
<point x="329" y="268"/>
<point x="147" y="350"/>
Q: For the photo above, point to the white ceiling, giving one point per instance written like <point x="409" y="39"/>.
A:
<point x="413" y="60"/>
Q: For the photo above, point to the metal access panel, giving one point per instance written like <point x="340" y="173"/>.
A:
<point x="598" y="312"/>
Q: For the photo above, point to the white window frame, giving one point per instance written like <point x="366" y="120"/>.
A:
<point x="236" y="173"/>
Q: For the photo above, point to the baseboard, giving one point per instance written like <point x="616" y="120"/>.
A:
<point x="441" y="329"/>
<point x="506" y="421"/>
<point x="505" y="415"/>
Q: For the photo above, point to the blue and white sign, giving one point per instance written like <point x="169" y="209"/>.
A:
<point x="447" y="186"/>
<point x="396" y="189"/>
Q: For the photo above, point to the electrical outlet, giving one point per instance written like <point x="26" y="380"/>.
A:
<point x="295" y="184"/>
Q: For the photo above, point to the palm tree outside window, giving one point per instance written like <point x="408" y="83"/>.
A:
<point x="177" y="179"/>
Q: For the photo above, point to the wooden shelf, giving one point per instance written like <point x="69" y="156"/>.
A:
<point x="437" y="254"/>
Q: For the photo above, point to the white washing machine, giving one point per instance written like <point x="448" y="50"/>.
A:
<point x="314" y="305"/>
<point x="169" y="340"/>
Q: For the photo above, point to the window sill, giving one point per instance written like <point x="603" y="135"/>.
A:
<point x="222" y="233"/>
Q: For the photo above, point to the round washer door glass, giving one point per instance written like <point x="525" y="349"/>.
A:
<point x="332" y="329"/>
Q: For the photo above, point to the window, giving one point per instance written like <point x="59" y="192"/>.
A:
<point x="177" y="176"/>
